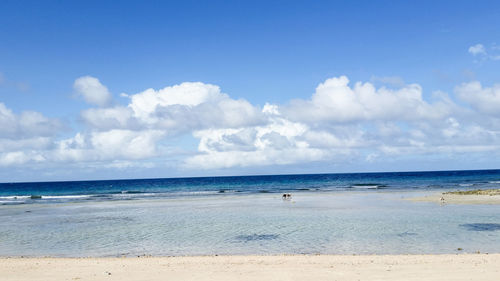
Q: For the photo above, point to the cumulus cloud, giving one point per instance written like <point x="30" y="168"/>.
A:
<point x="484" y="99"/>
<point x="118" y="117"/>
<point x="13" y="158"/>
<point x="340" y="122"/>
<point x="480" y="51"/>
<point x="17" y="158"/>
<point x="177" y="109"/>
<point x="280" y="141"/>
<point x="23" y="136"/>
<point x="229" y="159"/>
<point x="276" y="143"/>
<point x="27" y="124"/>
<point x="116" y="135"/>
<point x="192" y="105"/>
<point x="361" y="121"/>
<point x="335" y="101"/>
<point x="477" y="49"/>
<point x="107" y="146"/>
<point x="92" y="91"/>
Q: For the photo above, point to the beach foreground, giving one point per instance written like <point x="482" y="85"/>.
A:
<point x="281" y="267"/>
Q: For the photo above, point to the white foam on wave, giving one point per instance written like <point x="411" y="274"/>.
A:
<point x="134" y="194"/>
<point x="195" y="192"/>
<point x="124" y="195"/>
<point x="14" y="197"/>
<point x="65" y="196"/>
<point x="366" y="186"/>
<point x="24" y="197"/>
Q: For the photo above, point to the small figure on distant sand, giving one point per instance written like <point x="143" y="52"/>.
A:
<point x="442" y="199"/>
<point x="286" y="196"/>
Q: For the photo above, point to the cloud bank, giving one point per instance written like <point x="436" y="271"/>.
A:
<point x="341" y="121"/>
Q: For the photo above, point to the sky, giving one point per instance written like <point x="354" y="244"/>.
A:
<point x="145" y="89"/>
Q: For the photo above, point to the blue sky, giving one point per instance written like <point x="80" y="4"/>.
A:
<point x="259" y="52"/>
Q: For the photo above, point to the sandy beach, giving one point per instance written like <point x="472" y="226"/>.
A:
<point x="487" y="197"/>
<point x="281" y="267"/>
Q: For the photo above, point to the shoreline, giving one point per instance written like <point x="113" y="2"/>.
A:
<point x="458" y="198"/>
<point x="256" y="267"/>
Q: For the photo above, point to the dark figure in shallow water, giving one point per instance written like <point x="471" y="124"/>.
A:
<point x="286" y="196"/>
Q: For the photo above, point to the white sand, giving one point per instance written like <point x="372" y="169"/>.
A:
<point x="458" y="199"/>
<point x="323" y="267"/>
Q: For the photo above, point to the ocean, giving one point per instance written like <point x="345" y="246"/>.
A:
<point x="358" y="213"/>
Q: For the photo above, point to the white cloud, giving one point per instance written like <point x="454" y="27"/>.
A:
<point x="8" y="121"/>
<point x="126" y="144"/>
<point x="27" y="124"/>
<point x="92" y="91"/>
<point x="118" y="117"/>
<point x="229" y="159"/>
<point x="192" y="105"/>
<point x="117" y="135"/>
<point x="18" y="158"/>
<point x="335" y="101"/>
<point x="13" y="158"/>
<point x="477" y="49"/>
<point x="485" y="100"/>
<point x="279" y="142"/>
<point x="483" y="53"/>
<point x="25" y="136"/>
<point x="186" y="94"/>
<point x="108" y="146"/>
<point x="339" y="123"/>
<point x="177" y="109"/>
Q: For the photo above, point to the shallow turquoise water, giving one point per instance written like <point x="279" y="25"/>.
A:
<point x="375" y="222"/>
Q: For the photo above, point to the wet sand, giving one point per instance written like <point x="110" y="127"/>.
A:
<point x="471" y="197"/>
<point x="281" y="267"/>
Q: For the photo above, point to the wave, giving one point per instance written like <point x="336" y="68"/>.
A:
<point x="101" y="196"/>
<point x="368" y="185"/>
<point x="15" y="197"/>
<point x="134" y="194"/>
<point x="12" y="202"/>
<point x="228" y="191"/>
<point x="65" y="196"/>
<point x="104" y="196"/>
<point x="21" y="197"/>
<point x="189" y="193"/>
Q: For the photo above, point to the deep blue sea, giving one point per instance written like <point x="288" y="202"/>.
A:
<point x="363" y="213"/>
<point x="70" y="191"/>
